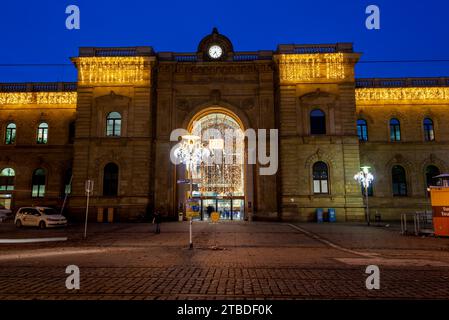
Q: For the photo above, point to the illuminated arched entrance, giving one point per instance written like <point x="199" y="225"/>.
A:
<point x="220" y="182"/>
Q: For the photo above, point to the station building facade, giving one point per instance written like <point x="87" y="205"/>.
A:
<point x="113" y="127"/>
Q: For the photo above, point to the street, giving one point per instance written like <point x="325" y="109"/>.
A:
<point x="230" y="260"/>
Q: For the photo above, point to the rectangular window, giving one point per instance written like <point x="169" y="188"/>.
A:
<point x="42" y="136"/>
<point x="324" y="186"/>
<point x="316" y="186"/>
<point x="10" y="136"/>
<point x="38" y="191"/>
<point x="395" y="133"/>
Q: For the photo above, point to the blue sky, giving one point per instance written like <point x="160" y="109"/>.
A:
<point x="34" y="31"/>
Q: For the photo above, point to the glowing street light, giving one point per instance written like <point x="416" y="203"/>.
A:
<point x="365" y="178"/>
<point x="191" y="152"/>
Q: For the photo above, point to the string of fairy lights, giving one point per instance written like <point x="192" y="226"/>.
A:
<point x="224" y="175"/>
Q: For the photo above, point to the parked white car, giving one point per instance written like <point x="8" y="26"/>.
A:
<point x="41" y="217"/>
<point x="4" y="213"/>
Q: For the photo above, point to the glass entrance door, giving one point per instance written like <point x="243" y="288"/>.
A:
<point x="228" y="208"/>
<point x="224" y="209"/>
<point x="238" y="209"/>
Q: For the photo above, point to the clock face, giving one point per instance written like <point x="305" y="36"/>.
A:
<point x="215" y="51"/>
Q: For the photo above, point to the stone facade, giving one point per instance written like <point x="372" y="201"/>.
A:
<point x="156" y="93"/>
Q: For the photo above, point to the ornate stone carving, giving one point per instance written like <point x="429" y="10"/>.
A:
<point x="247" y="103"/>
<point x="183" y="104"/>
<point x="215" y="95"/>
<point x="319" y="155"/>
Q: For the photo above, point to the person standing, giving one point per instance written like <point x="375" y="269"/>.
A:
<point x="209" y="211"/>
<point x="157" y="221"/>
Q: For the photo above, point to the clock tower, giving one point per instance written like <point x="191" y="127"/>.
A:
<point x="215" y="47"/>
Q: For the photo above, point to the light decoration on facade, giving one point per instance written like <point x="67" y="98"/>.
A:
<point x="223" y="175"/>
<point x="191" y="152"/>
<point x="112" y="70"/>
<point x="300" y="67"/>
<point x="397" y="94"/>
<point x="38" y="98"/>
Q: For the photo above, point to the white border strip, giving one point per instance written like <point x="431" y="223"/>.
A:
<point x="33" y="240"/>
<point x="330" y="244"/>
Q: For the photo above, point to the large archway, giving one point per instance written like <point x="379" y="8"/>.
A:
<point x="220" y="184"/>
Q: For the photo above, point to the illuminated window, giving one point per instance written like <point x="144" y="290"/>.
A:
<point x="38" y="183"/>
<point x="399" y="181"/>
<point x="429" y="133"/>
<point x="225" y="177"/>
<point x="395" y="130"/>
<point x="10" y="137"/>
<point x="320" y="178"/>
<point x="42" y="133"/>
<point x="113" y="124"/>
<point x="362" y="130"/>
<point x="317" y="122"/>
<point x="110" y="180"/>
<point x="7" y="177"/>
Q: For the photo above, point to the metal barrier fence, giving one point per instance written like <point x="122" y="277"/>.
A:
<point x="418" y="223"/>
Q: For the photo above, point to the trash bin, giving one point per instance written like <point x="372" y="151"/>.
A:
<point x="332" y="215"/>
<point x="319" y="215"/>
<point x="180" y="216"/>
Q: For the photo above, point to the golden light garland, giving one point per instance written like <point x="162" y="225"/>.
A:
<point x="302" y="67"/>
<point x="397" y="94"/>
<point x="38" y="98"/>
<point x="110" y="70"/>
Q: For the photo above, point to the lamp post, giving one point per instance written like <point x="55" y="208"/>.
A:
<point x="191" y="152"/>
<point x="365" y="178"/>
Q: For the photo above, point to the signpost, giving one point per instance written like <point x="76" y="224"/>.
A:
<point x="192" y="210"/>
<point x="215" y="216"/>
<point x="89" y="186"/>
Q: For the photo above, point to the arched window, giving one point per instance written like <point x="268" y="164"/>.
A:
<point x="113" y="124"/>
<point x="431" y="172"/>
<point x="362" y="130"/>
<point x="429" y="133"/>
<point x="317" y="122"/>
<point x="38" y="183"/>
<point x="399" y="181"/>
<point x="42" y="133"/>
<point x="7" y="177"/>
<point x="110" y="180"/>
<point x="10" y="137"/>
<point x="72" y="132"/>
<point x="395" y="130"/>
<point x="320" y="178"/>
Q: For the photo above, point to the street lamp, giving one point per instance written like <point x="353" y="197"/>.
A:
<point x="365" y="178"/>
<point x="191" y="152"/>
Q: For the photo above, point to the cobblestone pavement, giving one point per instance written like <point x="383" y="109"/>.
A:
<point x="229" y="261"/>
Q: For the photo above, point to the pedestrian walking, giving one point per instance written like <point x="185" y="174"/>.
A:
<point x="157" y="221"/>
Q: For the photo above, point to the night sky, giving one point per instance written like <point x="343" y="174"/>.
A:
<point x="33" y="32"/>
